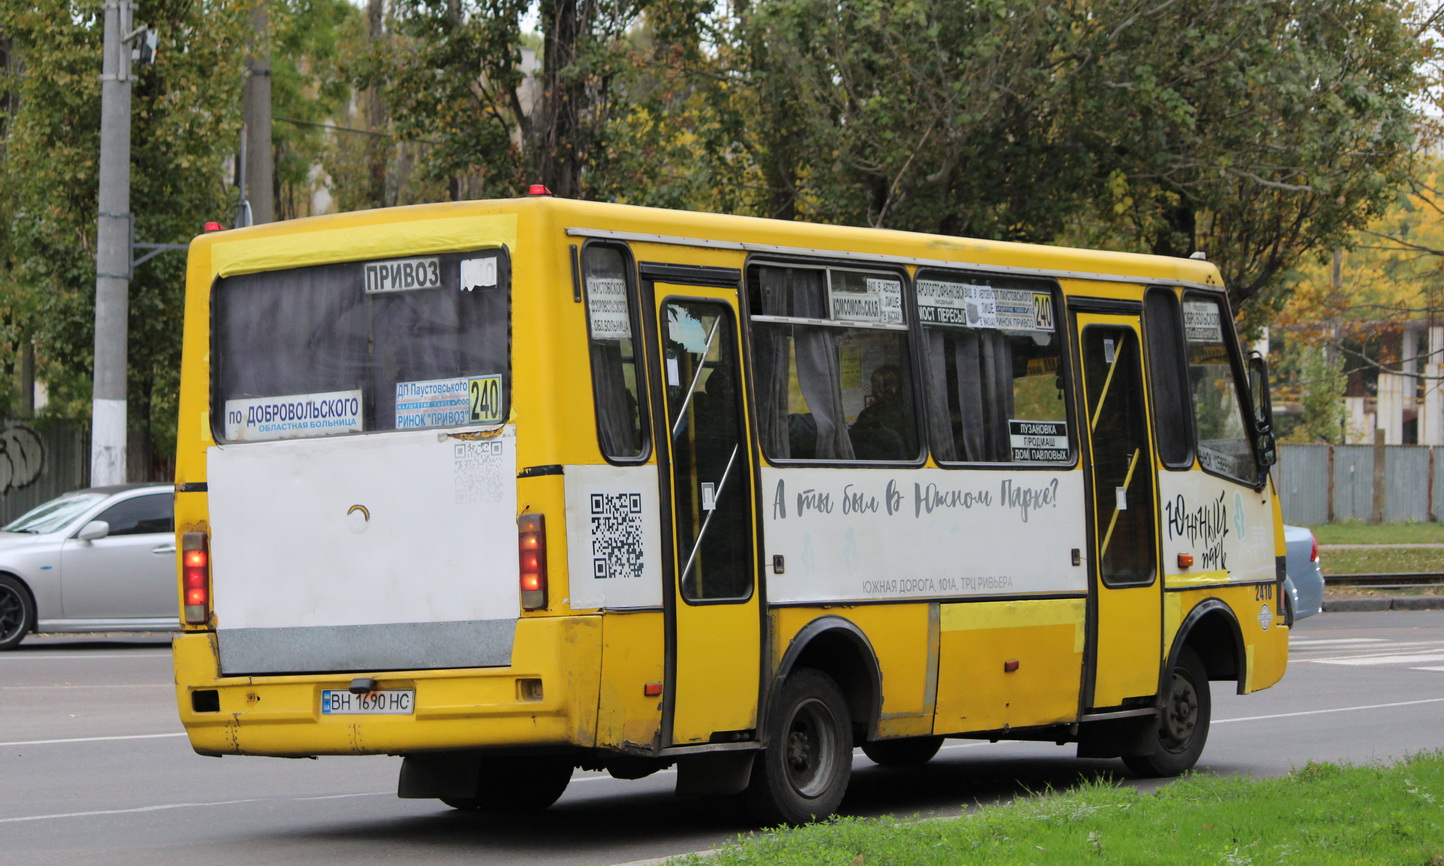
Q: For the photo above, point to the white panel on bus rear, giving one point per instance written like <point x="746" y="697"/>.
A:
<point x="355" y="553"/>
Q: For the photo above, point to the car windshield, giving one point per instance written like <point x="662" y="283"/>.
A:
<point x="53" y="514"/>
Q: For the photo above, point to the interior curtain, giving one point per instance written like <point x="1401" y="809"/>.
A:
<point x="940" y="423"/>
<point x="616" y="408"/>
<point x="770" y="354"/>
<point x="819" y="371"/>
<point x="984" y="363"/>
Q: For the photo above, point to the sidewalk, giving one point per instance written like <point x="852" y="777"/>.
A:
<point x="1382" y="602"/>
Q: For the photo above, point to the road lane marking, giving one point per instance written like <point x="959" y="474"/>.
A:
<point x="1329" y="710"/>
<point x="161" y="807"/>
<point x="1386" y="646"/>
<point x="1401" y="659"/>
<point x="91" y="739"/>
<point x="1312" y="642"/>
<point x="95" y="686"/>
<point x="149" y="654"/>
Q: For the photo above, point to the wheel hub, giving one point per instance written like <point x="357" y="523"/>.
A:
<point x="807" y="751"/>
<point x="1180" y="715"/>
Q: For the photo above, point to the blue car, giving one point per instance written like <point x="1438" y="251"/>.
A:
<point x="1305" y="582"/>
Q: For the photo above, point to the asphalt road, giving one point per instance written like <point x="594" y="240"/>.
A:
<point x="94" y="769"/>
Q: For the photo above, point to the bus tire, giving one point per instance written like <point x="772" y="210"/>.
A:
<point x="905" y="752"/>
<point x="17" y="612"/>
<point x="803" y="773"/>
<point x="525" y="783"/>
<point x="1182" y="721"/>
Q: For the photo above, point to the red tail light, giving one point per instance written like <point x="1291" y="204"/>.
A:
<point x="196" y="577"/>
<point x="1314" y="554"/>
<point x="532" y="550"/>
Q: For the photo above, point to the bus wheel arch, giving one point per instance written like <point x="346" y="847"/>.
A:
<point x="1212" y="631"/>
<point x="838" y="648"/>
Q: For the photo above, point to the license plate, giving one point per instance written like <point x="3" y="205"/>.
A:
<point x="383" y="702"/>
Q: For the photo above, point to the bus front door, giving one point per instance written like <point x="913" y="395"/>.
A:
<point x="714" y="626"/>
<point x="1127" y="628"/>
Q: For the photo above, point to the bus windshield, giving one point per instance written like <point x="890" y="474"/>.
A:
<point x="362" y="346"/>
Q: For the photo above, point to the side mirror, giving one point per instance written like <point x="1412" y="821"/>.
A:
<point x="93" y="530"/>
<point x="1263" y="412"/>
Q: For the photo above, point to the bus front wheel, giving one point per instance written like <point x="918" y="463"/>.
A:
<point x="803" y="773"/>
<point x="516" y="784"/>
<point x="1182" y="721"/>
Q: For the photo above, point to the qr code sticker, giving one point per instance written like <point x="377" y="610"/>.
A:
<point x="479" y="475"/>
<point x="616" y="535"/>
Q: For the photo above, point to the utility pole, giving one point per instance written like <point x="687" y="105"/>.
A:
<point x="256" y="112"/>
<point x="112" y="254"/>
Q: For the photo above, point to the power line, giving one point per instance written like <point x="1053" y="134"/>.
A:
<point x="333" y="126"/>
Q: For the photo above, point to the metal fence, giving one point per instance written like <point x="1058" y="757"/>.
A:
<point x="1321" y="483"/>
<point x="37" y="462"/>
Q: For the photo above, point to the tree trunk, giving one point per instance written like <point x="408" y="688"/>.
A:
<point x="555" y="157"/>
<point x="377" y="148"/>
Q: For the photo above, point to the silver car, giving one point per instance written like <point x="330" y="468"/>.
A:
<point x="99" y="559"/>
<point x="1305" y="582"/>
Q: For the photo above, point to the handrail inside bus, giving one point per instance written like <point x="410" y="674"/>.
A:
<point x="696" y="378"/>
<point x="1113" y="521"/>
<point x="707" y="521"/>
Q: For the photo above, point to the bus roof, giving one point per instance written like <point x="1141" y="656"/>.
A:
<point x="426" y="228"/>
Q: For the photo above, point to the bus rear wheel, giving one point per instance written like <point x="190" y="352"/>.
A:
<point x="906" y="752"/>
<point x="1182" y="721"/>
<point x="516" y="784"/>
<point x="803" y="773"/>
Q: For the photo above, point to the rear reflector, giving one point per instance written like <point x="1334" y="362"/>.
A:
<point x="196" y="578"/>
<point x="532" y="553"/>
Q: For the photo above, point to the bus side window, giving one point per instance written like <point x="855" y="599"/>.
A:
<point x="832" y="365"/>
<point x="610" y="327"/>
<point x="1168" y="377"/>
<point x="1218" y="411"/>
<point x="994" y="380"/>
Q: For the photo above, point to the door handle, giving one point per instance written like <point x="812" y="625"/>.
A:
<point x="158" y="551"/>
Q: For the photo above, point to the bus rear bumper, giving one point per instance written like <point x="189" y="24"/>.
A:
<point x="546" y="698"/>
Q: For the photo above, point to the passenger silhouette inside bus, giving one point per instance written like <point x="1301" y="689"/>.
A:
<point x="884" y="427"/>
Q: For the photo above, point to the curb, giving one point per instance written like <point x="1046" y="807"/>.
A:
<point x="1385" y="602"/>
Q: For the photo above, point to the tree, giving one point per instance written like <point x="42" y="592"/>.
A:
<point x="1345" y="311"/>
<point x="308" y="91"/>
<point x="184" y="125"/>
<point x="1255" y="131"/>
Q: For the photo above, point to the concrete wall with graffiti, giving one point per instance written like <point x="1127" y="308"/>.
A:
<point x="38" y="461"/>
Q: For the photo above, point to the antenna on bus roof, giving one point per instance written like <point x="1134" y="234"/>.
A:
<point x="1199" y="256"/>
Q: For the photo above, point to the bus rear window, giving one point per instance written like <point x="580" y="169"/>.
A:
<point x="397" y="344"/>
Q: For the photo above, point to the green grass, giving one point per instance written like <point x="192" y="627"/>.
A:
<point x="1395" y="560"/>
<point x="1355" y="532"/>
<point x="1380" y="561"/>
<point x="1320" y="814"/>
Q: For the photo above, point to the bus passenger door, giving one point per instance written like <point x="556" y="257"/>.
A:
<point x="1126" y="634"/>
<point x="714" y="628"/>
